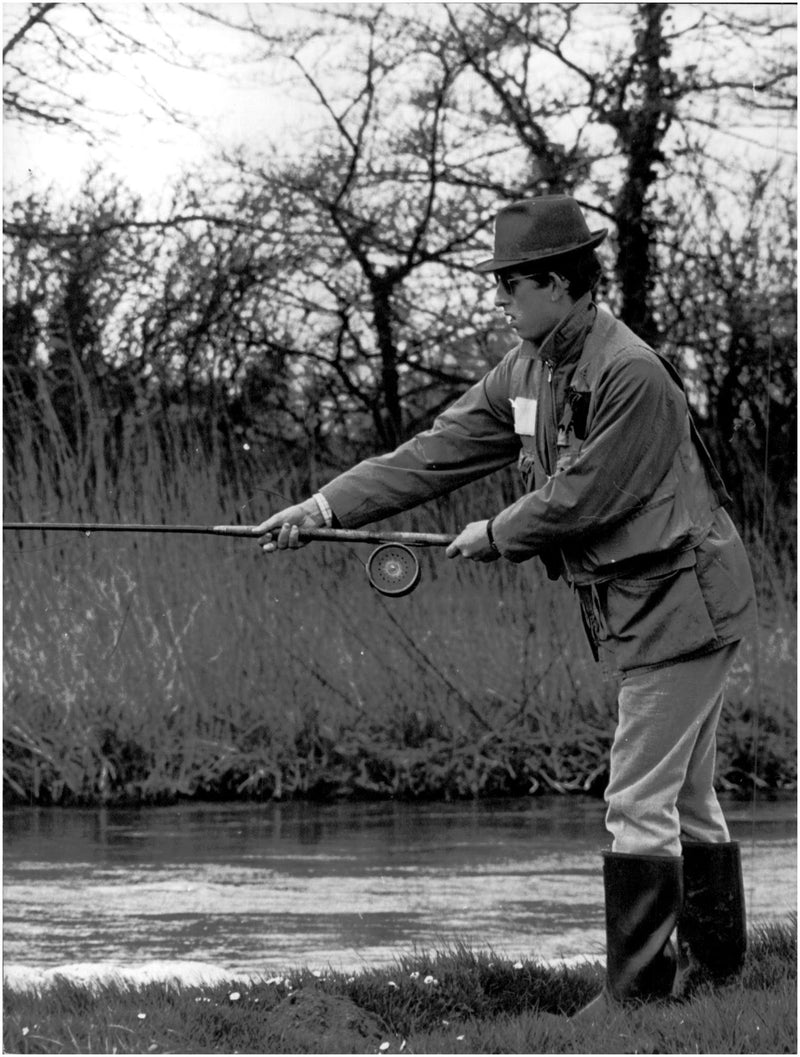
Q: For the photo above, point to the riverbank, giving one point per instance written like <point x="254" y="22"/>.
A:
<point x="456" y="1001"/>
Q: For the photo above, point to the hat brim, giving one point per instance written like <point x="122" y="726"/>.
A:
<point x="497" y="265"/>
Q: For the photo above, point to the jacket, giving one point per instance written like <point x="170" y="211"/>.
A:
<point x="621" y="500"/>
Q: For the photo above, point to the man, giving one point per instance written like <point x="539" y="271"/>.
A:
<point x="622" y="501"/>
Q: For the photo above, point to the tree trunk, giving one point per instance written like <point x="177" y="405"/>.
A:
<point x="392" y="418"/>
<point x="641" y="129"/>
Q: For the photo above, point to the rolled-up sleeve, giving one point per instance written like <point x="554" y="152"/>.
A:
<point x="631" y="441"/>
<point x="472" y="438"/>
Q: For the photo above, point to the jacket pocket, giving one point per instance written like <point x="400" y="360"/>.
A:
<point x="653" y="619"/>
<point x="659" y="528"/>
<point x="726" y="580"/>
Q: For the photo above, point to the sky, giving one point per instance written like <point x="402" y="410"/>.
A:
<point x="143" y="144"/>
<point x="229" y="100"/>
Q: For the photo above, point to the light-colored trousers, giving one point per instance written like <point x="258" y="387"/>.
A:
<point x="662" y="761"/>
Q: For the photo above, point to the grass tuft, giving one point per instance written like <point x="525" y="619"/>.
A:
<point x="457" y="1000"/>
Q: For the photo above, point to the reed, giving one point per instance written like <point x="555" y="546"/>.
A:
<point x="145" y="668"/>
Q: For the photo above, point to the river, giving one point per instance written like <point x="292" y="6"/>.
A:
<point x="266" y="888"/>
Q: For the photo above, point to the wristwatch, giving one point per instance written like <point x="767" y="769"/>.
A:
<point x="490" y="534"/>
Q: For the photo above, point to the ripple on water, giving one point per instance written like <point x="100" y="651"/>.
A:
<point x="334" y="887"/>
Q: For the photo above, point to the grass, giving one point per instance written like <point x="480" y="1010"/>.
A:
<point x="455" y="1001"/>
<point x="143" y="669"/>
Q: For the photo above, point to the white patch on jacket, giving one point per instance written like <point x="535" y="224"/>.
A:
<point x="524" y="415"/>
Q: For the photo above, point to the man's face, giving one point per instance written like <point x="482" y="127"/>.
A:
<point x="532" y="310"/>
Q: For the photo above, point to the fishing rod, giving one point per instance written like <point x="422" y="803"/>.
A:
<point x="392" y="568"/>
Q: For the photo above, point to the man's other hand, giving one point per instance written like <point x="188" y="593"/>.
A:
<point x="473" y="542"/>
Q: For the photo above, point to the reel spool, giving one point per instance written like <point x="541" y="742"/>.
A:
<point x="393" y="569"/>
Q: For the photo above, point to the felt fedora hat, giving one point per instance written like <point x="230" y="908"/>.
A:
<point x="534" y="229"/>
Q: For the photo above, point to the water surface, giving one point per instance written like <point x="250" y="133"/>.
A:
<point x="265" y="888"/>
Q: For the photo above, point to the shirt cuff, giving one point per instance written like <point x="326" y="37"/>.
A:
<point x="324" y="508"/>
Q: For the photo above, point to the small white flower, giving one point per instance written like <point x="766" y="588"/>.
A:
<point x="518" y="965"/>
<point x="460" y="1038"/>
<point x="384" y="1046"/>
<point x="446" y="1023"/>
<point x="142" y="1016"/>
<point x="317" y="973"/>
<point x="25" y="1031"/>
<point x="234" y="996"/>
<point x="415" y="976"/>
<point x="392" y="984"/>
<point x="430" y="980"/>
<point x="245" y="447"/>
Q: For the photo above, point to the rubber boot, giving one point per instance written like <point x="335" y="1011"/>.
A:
<point x="712" y="931"/>
<point x="644" y="894"/>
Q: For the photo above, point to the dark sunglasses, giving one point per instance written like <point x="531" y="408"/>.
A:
<point x="510" y="283"/>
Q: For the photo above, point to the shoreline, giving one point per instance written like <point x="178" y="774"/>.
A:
<point x="181" y="973"/>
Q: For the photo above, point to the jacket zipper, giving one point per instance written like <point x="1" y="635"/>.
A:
<point x="553" y="408"/>
<point x="554" y="414"/>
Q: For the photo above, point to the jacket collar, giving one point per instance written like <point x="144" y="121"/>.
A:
<point x="565" y="341"/>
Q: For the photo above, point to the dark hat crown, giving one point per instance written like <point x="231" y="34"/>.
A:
<point x="535" y="229"/>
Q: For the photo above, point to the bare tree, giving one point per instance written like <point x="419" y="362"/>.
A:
<point x="367" y="233"/>
<point x="508" y="100"/>
<point x="58" y="56"/>
<point x="342" y="257"/>
<point x="731" y="72"/>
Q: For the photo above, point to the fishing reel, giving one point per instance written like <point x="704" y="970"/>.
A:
<point x="393" y="569"/>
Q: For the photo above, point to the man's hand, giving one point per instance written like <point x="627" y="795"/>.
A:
<point x="473" y="542"/>
<point x="282" y="530"/>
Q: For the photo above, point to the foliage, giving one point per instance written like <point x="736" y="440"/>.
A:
<point x="452" y="1001"/>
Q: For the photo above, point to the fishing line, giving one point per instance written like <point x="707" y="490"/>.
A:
<point x="121" y="629"/>
<point x="265" y="491"/>
<point x="72" y="544"/>
<point x="425" y="662"/>
<point x="756" y="725"/>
